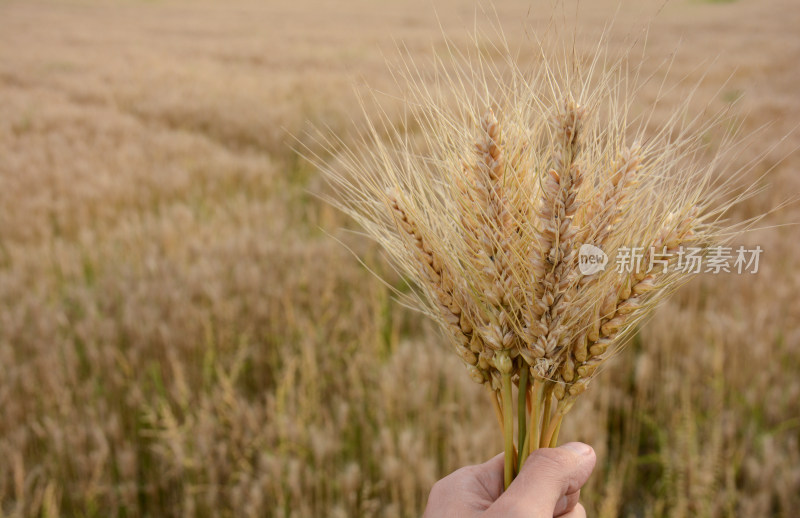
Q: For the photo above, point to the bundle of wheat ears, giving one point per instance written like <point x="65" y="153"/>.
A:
<point x="485" y="208"/>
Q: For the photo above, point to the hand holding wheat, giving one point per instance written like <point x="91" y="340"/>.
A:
<point x="548" y="485"/>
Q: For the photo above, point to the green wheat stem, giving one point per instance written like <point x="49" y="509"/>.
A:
<point x="508" y="430"/>
<point x="522" y="413"/>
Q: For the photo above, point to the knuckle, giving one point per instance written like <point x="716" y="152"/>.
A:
<point x="444" y="485"/>
<point x="467" y="472"/>
<point x="439" y="488"/>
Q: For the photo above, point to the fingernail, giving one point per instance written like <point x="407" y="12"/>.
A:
<point x="578" y="448"/>
<point x="561" y="506"/>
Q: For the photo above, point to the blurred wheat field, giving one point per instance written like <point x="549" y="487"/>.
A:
<point x="181" y="336"/>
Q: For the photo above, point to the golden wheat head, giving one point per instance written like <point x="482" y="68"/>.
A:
<point x="487" y="206"/>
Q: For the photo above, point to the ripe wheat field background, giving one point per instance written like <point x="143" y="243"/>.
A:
<point x="181" y="336"/>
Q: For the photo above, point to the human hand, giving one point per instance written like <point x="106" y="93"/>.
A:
<point x="548" y="485"/>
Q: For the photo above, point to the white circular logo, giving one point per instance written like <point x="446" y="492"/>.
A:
<point x="591" y="259"/>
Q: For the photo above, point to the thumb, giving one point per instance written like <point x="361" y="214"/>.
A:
<point x="548" y="483"/>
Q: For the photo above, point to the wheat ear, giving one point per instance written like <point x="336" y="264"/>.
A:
<point x="440" y="286"/>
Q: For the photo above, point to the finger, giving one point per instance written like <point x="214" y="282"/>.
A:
<point x="548" y="475"/>
<point x="566" y="504"/>
<point x="490" y="476"/>
<point x="578" y="512"/>
<point x="467" y="490"/>
<point x="494" y="464"/>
